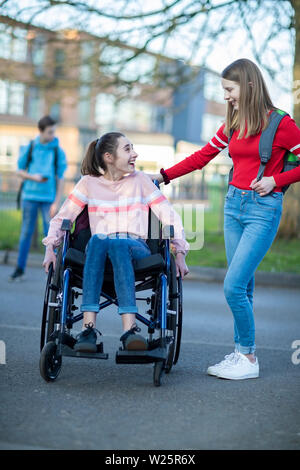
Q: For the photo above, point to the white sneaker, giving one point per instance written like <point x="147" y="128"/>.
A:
<point x="213" y="370"/>
<point x="239" y="368"/>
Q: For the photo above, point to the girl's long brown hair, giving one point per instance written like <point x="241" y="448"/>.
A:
<point x="93" y="159"/>
<point x="254" y="102"/>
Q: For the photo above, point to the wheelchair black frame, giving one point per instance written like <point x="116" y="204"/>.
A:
<point x="67" y="320"/>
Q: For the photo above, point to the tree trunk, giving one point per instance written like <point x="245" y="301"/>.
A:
<point x="290" y="221"/>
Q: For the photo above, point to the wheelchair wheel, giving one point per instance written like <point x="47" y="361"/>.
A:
<point x="54" y="281"/>
<point x="175" y="302"/>
<point x="50" y="362"/>
<point x="158" y="369"/>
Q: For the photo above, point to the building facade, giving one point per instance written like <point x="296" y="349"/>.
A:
<point x="68" y="74"/>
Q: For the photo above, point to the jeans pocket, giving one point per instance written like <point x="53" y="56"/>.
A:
<point x="276" y="195"/>
<point x="268" y="202"/>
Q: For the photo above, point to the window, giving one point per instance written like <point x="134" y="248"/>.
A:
<point x="16" y="98"/>
<point x="212" y="87"/>
<point x="13" y="43"/>
<point x="55" y="111"/>
<point x="87" y="53"/>
<point x="19" y="45"/>
<point x="84" y="104"/>
<point x="34" y="103"/>
<point x="3" y="97"/>
<point x="38" y="51"/>
<point x="5" y="41"/>
<point x="59" y="58"/>
<point x="11" y="97"/>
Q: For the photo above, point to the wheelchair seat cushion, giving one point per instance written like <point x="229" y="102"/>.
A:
<point x="152" y="263"/>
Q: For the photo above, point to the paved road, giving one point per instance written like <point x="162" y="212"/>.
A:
<point x="102" y="405"/>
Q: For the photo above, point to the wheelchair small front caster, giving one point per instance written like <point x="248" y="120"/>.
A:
<point x="50" y="362"/>
<point x="157" y="372"/>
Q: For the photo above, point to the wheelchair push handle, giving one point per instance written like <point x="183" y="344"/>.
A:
<point x="168" y="231"/>
<point x="66" y="225"/>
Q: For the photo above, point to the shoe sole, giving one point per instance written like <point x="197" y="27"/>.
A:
<point x="85" y="347"/>
<point x="136" y="345"/>
<point x="247" y="376"/>
<point x="215" y="374"/>
<point x="18" y="279"/>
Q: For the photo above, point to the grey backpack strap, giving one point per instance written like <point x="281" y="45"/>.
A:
<point x="229" y="139"/>
<point x="266" y="141"/>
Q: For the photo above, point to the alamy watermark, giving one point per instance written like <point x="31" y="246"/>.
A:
<point x="296" y="354"/>
<point x="189" y="216"/>
<point x="2" y="352"/>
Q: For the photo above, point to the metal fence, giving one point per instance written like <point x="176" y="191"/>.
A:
<point x="210" y="193"/>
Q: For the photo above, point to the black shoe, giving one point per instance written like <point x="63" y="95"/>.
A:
<point x="86" y="340"/>
<point x="17" y="275"/>
<point x="132" y="341"/>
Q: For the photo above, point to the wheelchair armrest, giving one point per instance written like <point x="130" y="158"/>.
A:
<point x="66" y="225"/>
<point x="168" y="231"/>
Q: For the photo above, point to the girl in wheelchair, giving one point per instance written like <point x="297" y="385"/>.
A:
<point x="118" y="199"/>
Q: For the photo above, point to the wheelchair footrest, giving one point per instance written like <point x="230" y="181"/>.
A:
<point x="67" y="351"/>
<point x="124" y="356"/>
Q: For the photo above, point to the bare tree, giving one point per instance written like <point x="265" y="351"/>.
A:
<point x="194" y="26"/>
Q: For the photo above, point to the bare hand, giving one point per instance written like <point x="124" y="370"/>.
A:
<point x="39" y="178"/>
<point x="53" y="209"/>
<point x="264" y="186"/>
<point x="181" y="267"/>
<point x="50" y="257"/>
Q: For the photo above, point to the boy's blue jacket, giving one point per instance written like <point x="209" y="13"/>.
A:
<point x="42" y="163"/>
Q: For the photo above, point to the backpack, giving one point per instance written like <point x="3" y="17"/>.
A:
<point x="290" y="160"/>
<point x="29" y="159"/>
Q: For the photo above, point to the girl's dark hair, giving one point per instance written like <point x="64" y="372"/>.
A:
<point x="97" y="148"/>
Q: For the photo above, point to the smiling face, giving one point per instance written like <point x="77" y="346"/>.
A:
<point x="231" y="92"/>
<point x="124" y="160"/>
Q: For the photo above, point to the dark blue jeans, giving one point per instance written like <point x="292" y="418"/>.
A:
<point x="250" y="225"/>
<point x="122" y="249"/>
<point x="29" y="215"/>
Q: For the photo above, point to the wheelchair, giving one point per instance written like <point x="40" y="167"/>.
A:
<point x="155" y="273"/>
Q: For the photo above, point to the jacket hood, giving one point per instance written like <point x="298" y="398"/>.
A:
<point x="53" y="143"/>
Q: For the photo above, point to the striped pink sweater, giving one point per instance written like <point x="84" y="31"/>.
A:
<point x="117" y="206"/>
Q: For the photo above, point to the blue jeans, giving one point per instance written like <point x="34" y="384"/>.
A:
<point x="29" y="217"/>
<point x="251" y="222"/>
<point x="121" y="249"/>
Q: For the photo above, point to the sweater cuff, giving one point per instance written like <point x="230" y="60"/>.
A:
<point x="279" y="179"/>
<point x="165" y="176"/>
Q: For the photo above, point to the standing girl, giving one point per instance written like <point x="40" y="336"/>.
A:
<point x="252" y="209"/>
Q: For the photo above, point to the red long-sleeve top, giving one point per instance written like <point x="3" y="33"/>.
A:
<point x="245" y="156"/>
